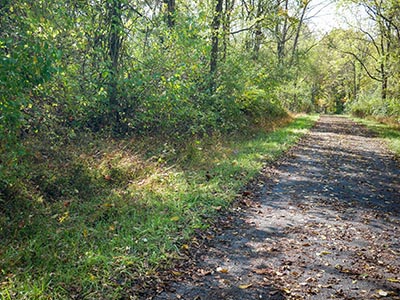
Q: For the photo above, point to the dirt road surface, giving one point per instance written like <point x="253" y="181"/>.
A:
<point x="322" y="223"/>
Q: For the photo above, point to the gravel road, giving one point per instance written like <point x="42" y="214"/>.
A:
<point x="321" y="223"/>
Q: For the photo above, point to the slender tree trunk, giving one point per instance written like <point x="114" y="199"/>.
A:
<point x="114" y="49"/>
<point x="257" y="32"/>
<point x="298" y="30"/>
<point x="281" y="36"/>
<point x="170" y="14"/>
<point x="215" y="26"/>
<point x="355" y="84"/>
<point x="229" y="5"/>
<point x="384" y="85"/>
<point x="385" y="50"/>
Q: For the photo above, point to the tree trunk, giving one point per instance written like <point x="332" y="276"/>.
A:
<point x="355" y="84"/>
<point x="298" y="30"/>
<point x="215" y="26"/>
<point x="114" y="49"/>
<point x="229" y="5"/>
<point x="170" y="14"/>
<point x="281" y="36"/>
<point x="257" y="32"/>
<point x="384" y="86"/>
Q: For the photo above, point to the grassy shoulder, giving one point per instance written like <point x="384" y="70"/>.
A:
<point x="389" y="132"/>
<point x="98" y="216"/>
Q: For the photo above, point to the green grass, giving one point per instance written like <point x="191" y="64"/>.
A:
<point x="111" y="212"/>
<point x="390" y="133"/>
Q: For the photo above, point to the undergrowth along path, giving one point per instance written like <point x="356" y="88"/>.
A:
<point x="326" y="225"/>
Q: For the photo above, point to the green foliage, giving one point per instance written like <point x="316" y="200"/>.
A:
<point x="374" y="106"/>
<point x="26" y="63"/>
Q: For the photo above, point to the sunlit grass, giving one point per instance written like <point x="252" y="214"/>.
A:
<point x="124" y="211"/>
<point x="390" y="133"/>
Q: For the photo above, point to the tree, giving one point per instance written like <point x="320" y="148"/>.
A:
<point x="215" y="37"/>
<point x="170" y="12"/>
<point x="115" y="41"/>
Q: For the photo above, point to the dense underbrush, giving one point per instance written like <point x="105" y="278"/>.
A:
<point x="388" y="110"/>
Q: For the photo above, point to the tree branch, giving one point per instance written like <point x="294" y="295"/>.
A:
<point x="363" y="65"/>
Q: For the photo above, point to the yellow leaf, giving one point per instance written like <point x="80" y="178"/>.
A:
<point x="185" y="247"/>
<point x="395" y="280"/>
<point x="245" y="286"/>
<point x="175" y="219"/>
<point x="323" y="253"/>
<point x="64" y="217"/>
<point x="222" y="270"/>
<point x="85" y="233"/>
<point x="176" y="273"/>
<point x="382" y="293"/>
<point x="287" y="291"/>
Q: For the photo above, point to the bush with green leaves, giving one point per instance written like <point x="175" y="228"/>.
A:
<point x="371" y="105"/>
<point x="26" y="63"/>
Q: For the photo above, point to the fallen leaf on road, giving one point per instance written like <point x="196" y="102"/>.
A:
<point x="382" y="293"/>
<point x="323" y="253"/>
<point x="203" y="272"/>
<point x="245" y="286"/>
<point x="176" y="273"/>
<point x="261" y="271"/>
<point x="222" y="270"/>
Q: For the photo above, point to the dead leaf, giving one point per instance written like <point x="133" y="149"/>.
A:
<point x="287" y="291"/>
<point x="382" y="293"/>
<point x="261" y="271"/>
<point x="311" y="279"/>
<point x="177" y="273"/>
<point x="245" y="286"/>
<point x="222" y="270"/>
<point x="324" y="253"/>
<point x="203" y="272"/>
